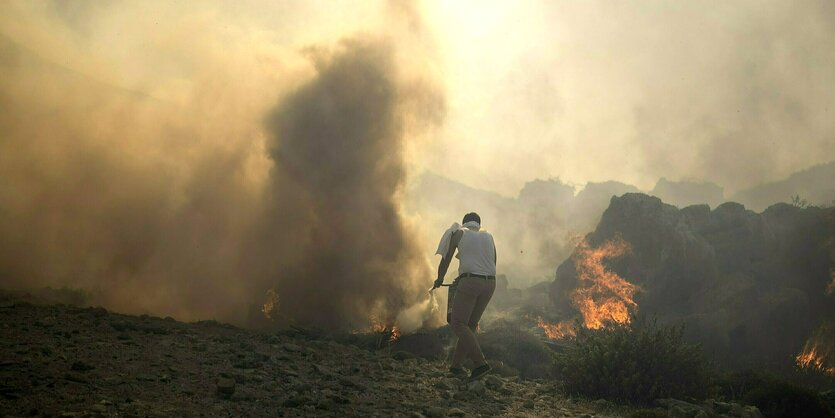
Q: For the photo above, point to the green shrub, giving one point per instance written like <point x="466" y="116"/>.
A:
<point x="783" y="399"/>
<point x="648" y="413"/>
<point x="734" y="386"/>
<point x="779" y="396"/>
<point x="518" y="349"/>
<point x="634" y="363"/>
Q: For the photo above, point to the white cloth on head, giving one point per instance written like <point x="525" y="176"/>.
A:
<point x="443" y="246"/>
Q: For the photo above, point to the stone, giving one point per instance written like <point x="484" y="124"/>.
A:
<point x="751" y="412"/>
<point x="443" y="385"/>
<point x="701" y="414"/>
<point x="493" y="382"/>
<point x="455" y="412"/>
<point x="80" y="366"/>
<point x="477" y="387"/>
<point x="602" y="404"/>
<point x="296" y="401"/>
<point x="402" y="355"/>
<point x="291" y="348"/>
<point x="225" y="386"/>
<point x="676" y="411"/>
<point x="435" y="412"/>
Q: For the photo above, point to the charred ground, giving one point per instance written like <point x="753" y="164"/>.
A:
<point x="59" y="360"/>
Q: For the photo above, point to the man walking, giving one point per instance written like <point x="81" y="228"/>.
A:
<point x="474" y="287"/>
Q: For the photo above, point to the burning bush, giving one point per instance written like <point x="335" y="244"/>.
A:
<point x="633" y="362"/>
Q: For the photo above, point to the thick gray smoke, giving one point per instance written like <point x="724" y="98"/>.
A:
<point x="183" y="160"/>
<point x="343" y="251"/>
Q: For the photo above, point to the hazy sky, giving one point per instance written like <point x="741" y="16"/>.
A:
<point x="732" y="92"/>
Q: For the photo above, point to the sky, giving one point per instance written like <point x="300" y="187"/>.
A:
<point x="157" y="148"/>
<point x="736" y="93"/>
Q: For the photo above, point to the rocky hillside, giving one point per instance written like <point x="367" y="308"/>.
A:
<point x="752" y="287"/>
<point x="67" y="361"/>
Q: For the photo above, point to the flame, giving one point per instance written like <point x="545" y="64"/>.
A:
<point x="556" y="331"/>
<point x="813" y="357"/>
<point x="271" y="304"/>
<point x="379" y="327"/>
<point x="817" y="353"/>
<point x="602" y="296"/>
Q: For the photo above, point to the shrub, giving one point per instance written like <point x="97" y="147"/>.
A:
<point x="518" y="349"/>
<point x="735" y="385"/>
<point x="648" y="413"/>
<point x="783" y="399"/>
<point x="779" y="396"/>
<point x="634" y="363"/>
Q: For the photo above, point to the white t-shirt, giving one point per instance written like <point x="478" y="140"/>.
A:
<point x="477" y="253"/>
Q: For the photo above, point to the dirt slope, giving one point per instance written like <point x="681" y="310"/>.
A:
<point x="66" y="361"/>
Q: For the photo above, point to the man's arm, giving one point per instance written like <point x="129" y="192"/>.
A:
<point x="444" y="265"/>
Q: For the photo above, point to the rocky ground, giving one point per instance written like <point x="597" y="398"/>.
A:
<point x="59" y="360"/>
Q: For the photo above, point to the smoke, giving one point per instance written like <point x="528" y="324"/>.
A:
<point x="343" y="250"/>
<point x="734" y="93"/>
<point x="183" y="159"/>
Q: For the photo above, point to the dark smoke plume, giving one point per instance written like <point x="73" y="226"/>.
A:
<point x="344" y="252"/>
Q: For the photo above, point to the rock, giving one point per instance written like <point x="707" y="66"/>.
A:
<point x="751" y="412"/>
<point x="225" y="386"/>
<point x="602" y="404"/>
<point x="493" y="382"/>
<point x="529" y="403"/>
<point x="455" y="412"/>
<point x="145" y="377"/>
<point x="477" y="387"/>
<point x="443" y="385"/>
<point x="701" y="414"/>
<point x="291" y="347"/>
<point x="297" y="401"/>
<point x="402" y="355"/>
<point x="435" y="412"/>
<point x="80" y="366"/>
<point x="676" y="411"/>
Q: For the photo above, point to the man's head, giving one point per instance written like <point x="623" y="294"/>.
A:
<point x="472" y="216"/>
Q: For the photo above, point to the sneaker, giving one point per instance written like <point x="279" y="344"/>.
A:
<point x="480" y="371"/>
<point x="457" y="372"/>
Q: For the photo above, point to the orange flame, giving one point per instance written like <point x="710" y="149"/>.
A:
<point x="381" y="328"/>
<point x="271" y="304"/>
<point x="817" y="353"/>
<point x="602" y="296"/>
<point x="813" y="357"/>
<point x="556" y="331"/>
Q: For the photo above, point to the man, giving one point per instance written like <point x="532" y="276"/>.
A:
<point x="474" y="287"/>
